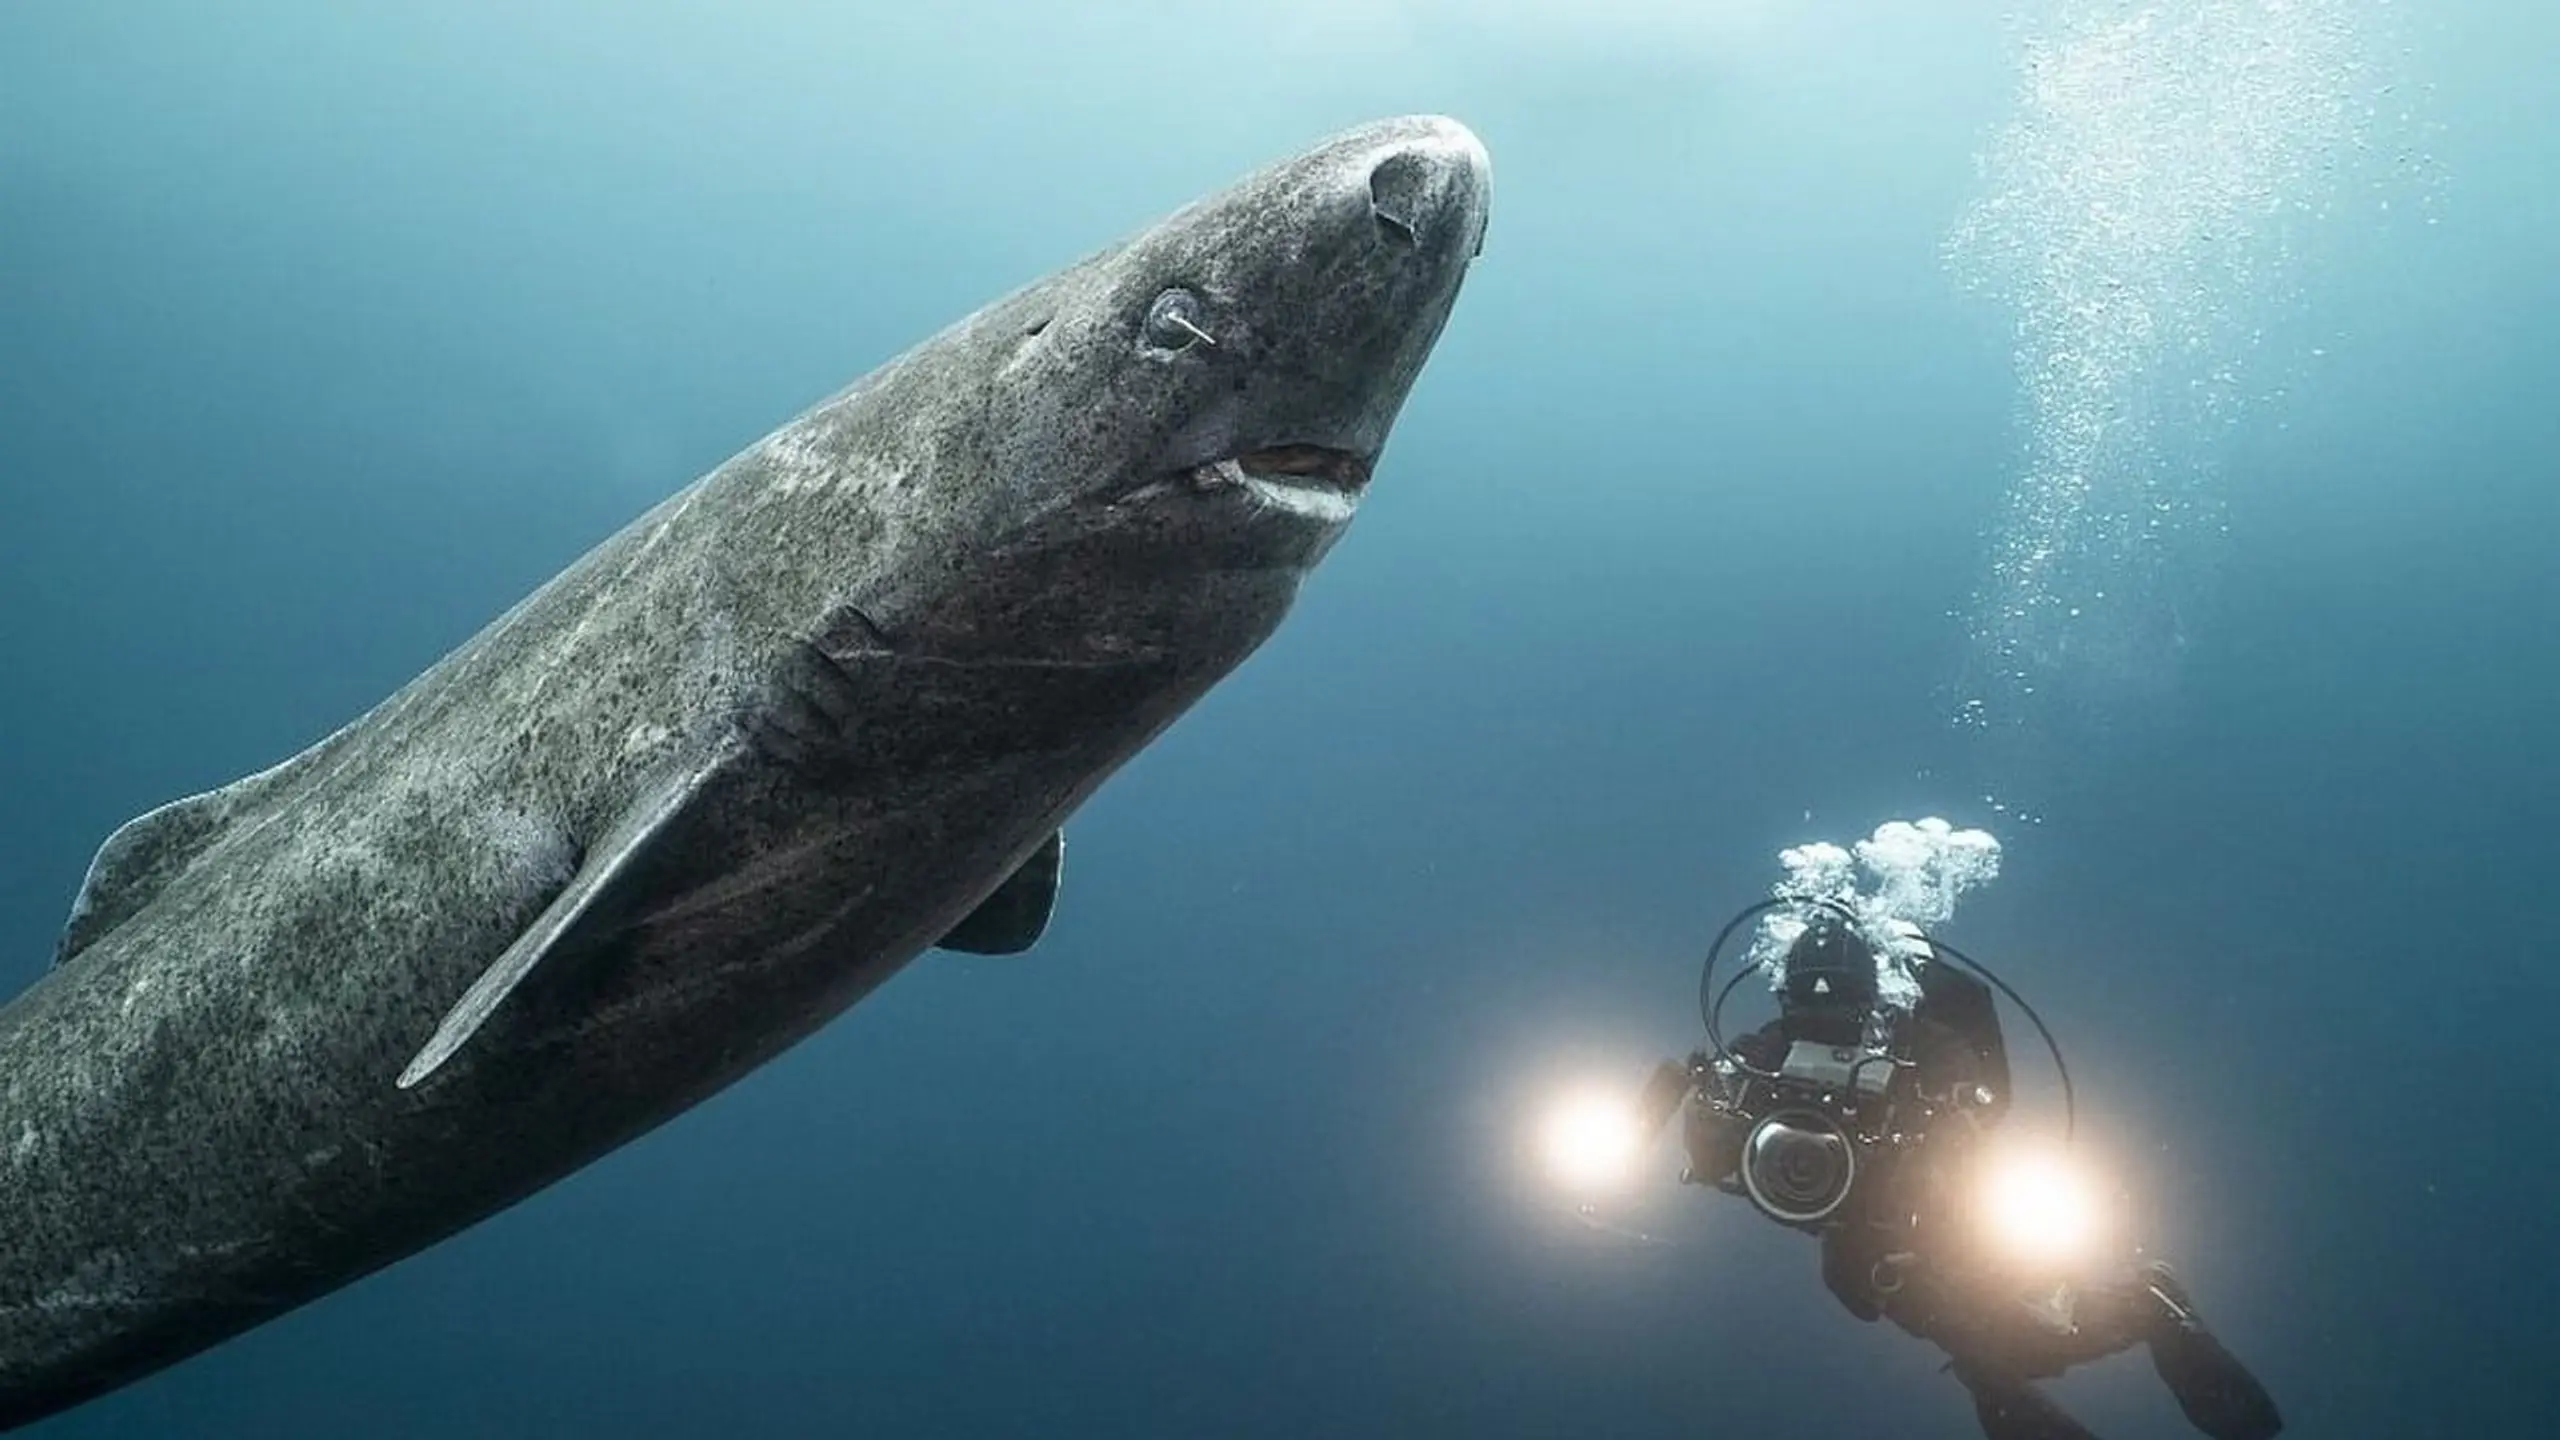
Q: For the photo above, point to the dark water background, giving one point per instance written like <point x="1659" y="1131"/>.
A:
<point x="329" y="329"/>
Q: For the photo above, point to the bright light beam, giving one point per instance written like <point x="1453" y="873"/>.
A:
<point x="1592" y="1140"/>
<point x="2040" y="1209"/>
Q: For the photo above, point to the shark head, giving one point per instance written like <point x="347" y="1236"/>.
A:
<point x="1166" y="437"/>
<point x="1252" y="350"/>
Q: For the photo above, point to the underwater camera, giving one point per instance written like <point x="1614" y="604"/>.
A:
<point x="1793" y="1116"/>
<point x="1796" y="1139"/>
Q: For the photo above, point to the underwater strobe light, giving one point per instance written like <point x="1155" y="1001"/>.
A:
<point x="2039" y="1209"/>
<point x="1798" y="1166"/>
<point x="1592" y="1140"/>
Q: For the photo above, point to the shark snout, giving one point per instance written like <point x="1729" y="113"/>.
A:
<point x="1429" y="189"/>
<point x="1330" y="277"/>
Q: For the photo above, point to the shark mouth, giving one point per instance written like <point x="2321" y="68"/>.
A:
<point x="1308" y="465"/>
<point x="1313" y="480"/>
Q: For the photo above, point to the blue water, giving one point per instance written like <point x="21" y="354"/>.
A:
<point x="328" y="329"/>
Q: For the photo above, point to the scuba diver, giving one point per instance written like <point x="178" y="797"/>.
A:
<point x="1866" y="1122"/>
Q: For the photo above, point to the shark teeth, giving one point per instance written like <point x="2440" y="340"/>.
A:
<point x="1314" y="502"/>
<point x="1287" y="467"/>
<point x="1217" y="475"/>
<point x="1307" y="480"/>
<point x="1309" y="465"/>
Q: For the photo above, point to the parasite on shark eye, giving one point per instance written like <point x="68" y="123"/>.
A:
<point x="1173" y="323"/>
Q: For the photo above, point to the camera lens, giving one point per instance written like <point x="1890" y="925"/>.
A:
<point x="1797" y="1166"/>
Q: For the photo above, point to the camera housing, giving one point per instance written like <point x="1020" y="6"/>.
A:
<point x="1795" y="1140"/>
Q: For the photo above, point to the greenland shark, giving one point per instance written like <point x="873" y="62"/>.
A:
<point x="818" y="712"/>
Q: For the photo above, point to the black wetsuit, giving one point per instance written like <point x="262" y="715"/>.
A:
<point x="1898" y="1250"/>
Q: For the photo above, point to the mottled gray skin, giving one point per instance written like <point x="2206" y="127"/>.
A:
<point x="877" y="658"/>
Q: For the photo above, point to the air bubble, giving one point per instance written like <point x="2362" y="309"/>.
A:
<point x="2136" y="218"/>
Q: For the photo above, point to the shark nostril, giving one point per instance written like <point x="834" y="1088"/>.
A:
<point x="1399" y="189"/>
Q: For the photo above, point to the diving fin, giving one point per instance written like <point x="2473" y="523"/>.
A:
<point x="1011" y="920"/>
<point x="2218" y="1394"/>
<point x="2011" y="1408"/>
<point x="598" y="877"/>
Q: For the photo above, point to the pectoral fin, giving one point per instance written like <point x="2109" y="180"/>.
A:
<point x="606" y="866"/>
<point x="1011" y="919"/>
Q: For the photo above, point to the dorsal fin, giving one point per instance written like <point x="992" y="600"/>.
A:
<point x="153" y="848"/>
<point x="1012" y="918"/>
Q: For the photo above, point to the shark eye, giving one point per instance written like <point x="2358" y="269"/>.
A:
<point x="1174" y="322"/>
